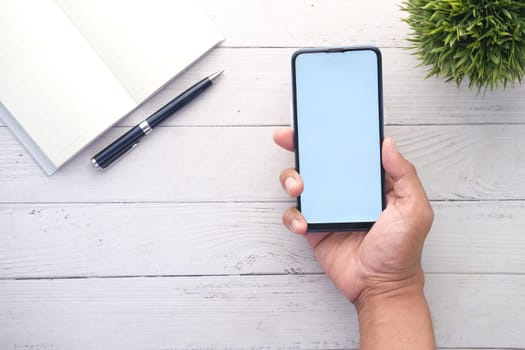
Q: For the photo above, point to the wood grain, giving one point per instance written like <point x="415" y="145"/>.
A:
<point x="466" y="163"/>
<point x="295" y="23"/>
<point x="255" y="90"/>
<point x="67" y="240"/>
<point x="234" y="312"/>
<point x="476" y="237"/>
<point x="183" y="164"/>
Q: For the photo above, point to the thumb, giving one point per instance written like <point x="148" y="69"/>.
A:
<point x="406" y="183"/>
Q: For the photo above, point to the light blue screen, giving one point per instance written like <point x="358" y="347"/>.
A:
<point x="338" y="136"/>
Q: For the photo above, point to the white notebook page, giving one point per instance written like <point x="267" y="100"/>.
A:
<point x="144" y="43"/>
<point x="53" y="82"/>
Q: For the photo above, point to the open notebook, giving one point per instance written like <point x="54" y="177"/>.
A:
<point x="70" y="69"/>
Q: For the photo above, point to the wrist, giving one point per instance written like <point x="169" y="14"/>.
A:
<point x="395" y="315"/>
<point x="390" y="291"/>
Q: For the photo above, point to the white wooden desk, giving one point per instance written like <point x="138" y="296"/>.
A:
<point x="180" y="245"/>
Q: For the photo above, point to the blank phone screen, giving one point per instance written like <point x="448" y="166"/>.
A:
<point x="339" y="135"/>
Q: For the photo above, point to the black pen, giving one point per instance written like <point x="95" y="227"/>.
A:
<point x="130" y="139"/>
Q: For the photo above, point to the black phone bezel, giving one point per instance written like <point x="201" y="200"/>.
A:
<point x="342" y="226"/>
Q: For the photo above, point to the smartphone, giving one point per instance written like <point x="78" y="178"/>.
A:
<point x="338" y="131"/>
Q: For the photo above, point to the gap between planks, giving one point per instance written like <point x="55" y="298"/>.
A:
<point x="247" y="275"/>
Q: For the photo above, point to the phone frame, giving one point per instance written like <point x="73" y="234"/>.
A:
<point x="340" y="226"/>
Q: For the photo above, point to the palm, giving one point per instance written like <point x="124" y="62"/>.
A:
<point x="356" y="260"/>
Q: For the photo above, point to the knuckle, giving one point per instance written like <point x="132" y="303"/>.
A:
<point x="286" y="173"/>
<point x="426" y="214"/>
<point x="430" y="213"/>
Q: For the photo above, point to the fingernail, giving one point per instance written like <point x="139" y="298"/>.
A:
<point x="289" y="183"/>
<point x="295" y="225"/>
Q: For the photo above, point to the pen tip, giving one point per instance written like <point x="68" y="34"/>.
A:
<point x="215" y="75"/>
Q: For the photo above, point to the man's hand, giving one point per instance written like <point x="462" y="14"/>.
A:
<point x="385" y="262"/>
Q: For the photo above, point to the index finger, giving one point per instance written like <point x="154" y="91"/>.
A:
<point x="284" y="138"/>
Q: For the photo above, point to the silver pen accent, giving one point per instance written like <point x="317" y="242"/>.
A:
<point x="215" y="75"/>
<point x="94" y="162"/>
<point x="144" y="125"/>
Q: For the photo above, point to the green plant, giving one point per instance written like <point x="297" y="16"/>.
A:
<point x="481" y="40"/>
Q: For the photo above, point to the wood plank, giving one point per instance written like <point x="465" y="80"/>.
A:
<point x="466" y="162"/>
<point x="255" y="90"/>
<point x="150" y="239"/>
<point x="242" y="164"/>
<point x="270" y="312"/>
<point x="308" y="23"/>
<point x="178" y="164"/>
<point x="476" y="237"/>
